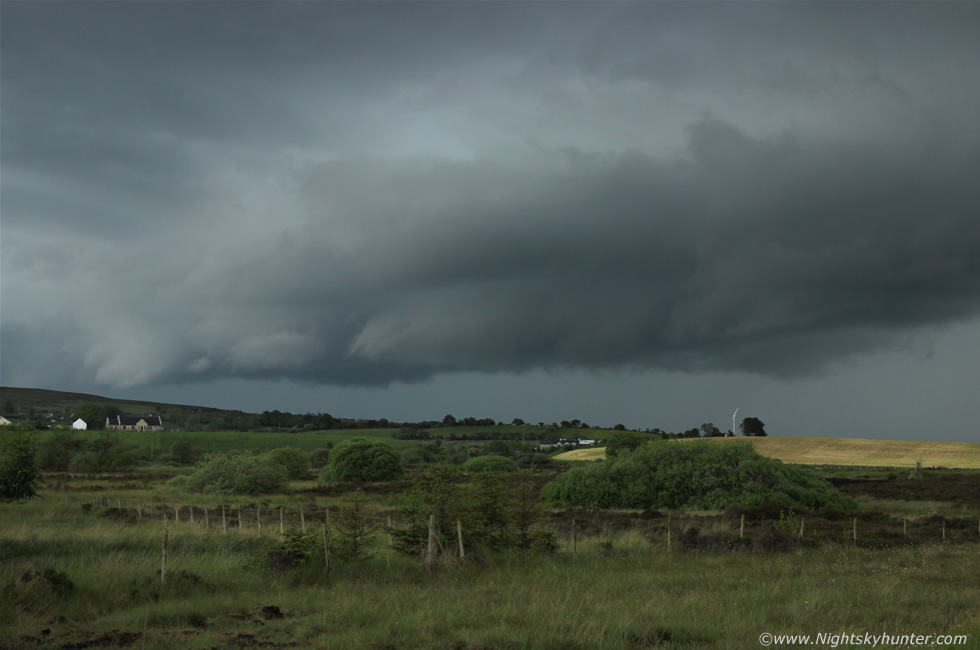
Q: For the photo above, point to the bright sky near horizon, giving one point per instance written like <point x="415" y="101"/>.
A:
<point x="646" y="213"/>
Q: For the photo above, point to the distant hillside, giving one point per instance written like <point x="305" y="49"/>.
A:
<point x="56" y="407"/>
<point x="844" y="451"/>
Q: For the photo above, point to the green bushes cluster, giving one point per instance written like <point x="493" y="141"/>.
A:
<point x="494" y="464"/>
<point x="295" y="462"/>
<point x="361" y="460"/>
<point x="495" y="514"/>
<point x="250" y="475"/>
<point x="693" y="476"/>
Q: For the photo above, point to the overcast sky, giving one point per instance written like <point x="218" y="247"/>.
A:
<point x="614" y="212"/>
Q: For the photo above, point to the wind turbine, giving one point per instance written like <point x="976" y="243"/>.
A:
<point x="733" y="421"/>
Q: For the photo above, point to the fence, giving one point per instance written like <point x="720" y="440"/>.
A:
<point x="669" y="531"/>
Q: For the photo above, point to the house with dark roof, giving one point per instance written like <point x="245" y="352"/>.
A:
<point x="134" y="423"/>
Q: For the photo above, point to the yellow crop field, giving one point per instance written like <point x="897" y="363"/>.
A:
<point x="843" y="451"/>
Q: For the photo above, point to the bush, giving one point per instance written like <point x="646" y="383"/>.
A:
<point x="250" y="475"/>
<point x="627" y="440"/>
<point x="693" y="476"/>
<point x="495" y="464"/>
<point x="360" y="460"/>
<point x="295" y="462"/>
<point x="18" y="467"/>
<point x="319" y="458"/>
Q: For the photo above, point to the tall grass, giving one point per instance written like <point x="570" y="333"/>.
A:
<point x="618" y="591"/>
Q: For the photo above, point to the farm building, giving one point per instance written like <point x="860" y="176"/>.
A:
<point x="134" y="423"/>
<point x="79" y="424"/>
<point x="4" y="421"/>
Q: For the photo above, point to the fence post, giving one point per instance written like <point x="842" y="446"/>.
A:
<point x="430" y="553"/>
<point x="163" y="558"/>
<point x="905" y="527"/>
<point x="176" y="514"/>
<point x="241" y="524"/>
<point x="326" y="545"/>
<point x="574" y="541"/>
<point x="459" y="533"/>
<point x="192" y="514"/>
<point x="855" y="533"/>
<point x="206" y="521"/>
<point x="668" y="530"/>
<point x="302" y="519"/>
<point x="224" y="521"/>
<point x="139" y="511"/>
<point x="944" y="529"/>
<point x="258" y="517"/>
<point x="741" y="528"/>
<point x="802" y="521"/>
<point x="391" y="543"/>
<point x="281" y="529"/>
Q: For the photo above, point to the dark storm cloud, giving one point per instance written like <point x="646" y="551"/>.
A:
<point x="359" y="194"/>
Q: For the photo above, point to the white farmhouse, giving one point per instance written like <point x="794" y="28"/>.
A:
<point x="79" y="424"/>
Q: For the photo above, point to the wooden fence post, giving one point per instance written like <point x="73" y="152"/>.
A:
<point x="163" y="559"/>
<point x="224" y="521"/>
<point x="281" y="528"/>
<point x="302" y="520"/>
<point x="258" y="518"/>
<point x="207" y="522"/>
<point x="176" y="514"/>
<point x="459" y="534"/>
<point x="905" y="527"/>
<point x="391" y="543"/>
<point x="241" y="524"/>
<point x="944" y="529"/>
<point x="741" y="528"/>
<point x="430" y="553"/>
<point x="192" y="514"/>
<point x="326" y="545"/>
<point x="574" y="541"/>
<point x="668" y="530"/>
<point x="802" y="521"/>
<point x="855" y="533"/>
<point x="139" y="511"/>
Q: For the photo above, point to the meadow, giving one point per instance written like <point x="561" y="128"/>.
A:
<point x="81" y="565"/>
<point x="616" y="590"/>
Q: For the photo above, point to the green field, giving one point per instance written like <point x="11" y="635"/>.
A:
<point x="843" y="451"/>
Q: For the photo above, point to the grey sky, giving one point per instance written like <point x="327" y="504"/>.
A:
<point x="402" y="210"/>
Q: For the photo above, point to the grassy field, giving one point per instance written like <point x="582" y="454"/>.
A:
<point x="617" y="591"/>
<point x="843" y="451"/>
<point x="220" y="441"/>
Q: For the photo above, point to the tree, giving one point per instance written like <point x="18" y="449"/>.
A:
<point x="18" y="467"/>
<point x="295" y="462"/>
<point x="628" y="440"/>
<point x="92" y="414"/>
<point x="355" y="526"/>
<point x="57" y="451"/>
<point x="709" y="430"/>
<point x="361" y="460"/>
<point x="753" y="427"/>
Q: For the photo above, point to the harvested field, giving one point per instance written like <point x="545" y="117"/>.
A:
<point x="844" y="451"/>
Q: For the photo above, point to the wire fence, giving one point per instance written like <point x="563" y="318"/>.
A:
<point x="670" y="530"/>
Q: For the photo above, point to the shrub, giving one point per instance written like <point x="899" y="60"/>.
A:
<point x="694" y="476"/>
<point x="361" y="460"/>
<point x="627" y="440"/>
<point x="319" y="458"/>
<point x="295" y="462"/>
<point x="495" y="464"/>
<point x="239" y="475"/>
<point x="18" y="467"/>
